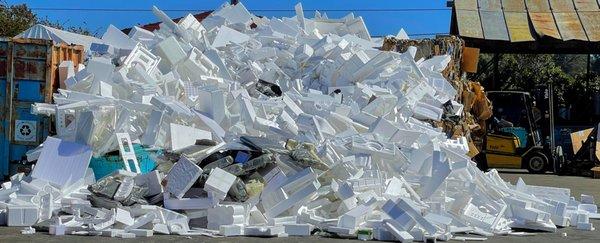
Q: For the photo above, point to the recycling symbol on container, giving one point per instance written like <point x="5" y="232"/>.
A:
<point x="25" y="131"/>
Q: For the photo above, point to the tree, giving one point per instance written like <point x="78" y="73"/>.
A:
<point x="573" y="88"/>
<point x="15" y="19"/>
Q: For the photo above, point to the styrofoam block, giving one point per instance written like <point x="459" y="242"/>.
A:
<point x="395" y="229"/>
<point x="298" y="229"/>
<point x="225" y="215"/>
<point x="102" y="49"/>
<point x="282" y="220"/>
<point x="112" y="232"/>
<point x="189" y="203"/>
<point x="440" y="170"/>
<point x="381" y="234"/>
<point x="234" y="13"/>
<point x="354" y="217"/>
<point x="127" y="152"/>
<point x="373" y="147"/>
<point x="585" y="226"/>
<point x="142" y="57"/>
<point x="268" y="200"/>
<point x="124" y="189"/>
<point x="170" y="52"/>
<point x="101" y="67"/>
<point x="22" y="215"/>
<point x="303" y="53"/>
<point x="286" y="204"/>
<point x="152" y="181"/>
<point x="190" y="22"/>
<point x="402" y="209"/>
<point x="256" y="217"/>
<point x="57" y="229"/>
<point x="137" y="33"/>
<point x="263" y="230"/>
<point x="161" y="229"/>
<point x="341" y="231"/>
<point x="587" y="199"/>
<point x="219" y="182"/>
<point x="3" y="217"/>
<point x="123" y="217"/>
<point x="142" y="232"/>
<point x="184" y="136"/>
<point x="231" y="230"/>
<point x="66" y="70"/>
<point x="530" y="214"/>
<point x="280" y="27"/>
<point x="227" y="35"/>
<point x="126" y="235"/>
<point x="248" y="111"/>
<point x="46" y="206"/>
<point x="6" y="194"/>
<point x="427" y="111"/>
<point x="298" y="180"/>
<point x="342" y="190"/>
<point x="590" y="208"/>
<point x="117" y="38"/>
<point x="141" y="221"/>
<point x="211" y="101"/>
<point x="62" y="163"/>
<point x="182" y="176"/>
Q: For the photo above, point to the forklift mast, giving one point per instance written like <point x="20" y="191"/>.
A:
<point x="544" y="96"/>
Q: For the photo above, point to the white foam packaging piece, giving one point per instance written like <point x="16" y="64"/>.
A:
<point x="219" y="182"/>
<point x="182" y="176"/>
<point x="367" y="112"/>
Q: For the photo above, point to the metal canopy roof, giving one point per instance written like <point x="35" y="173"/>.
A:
<point x="528" y="26"/>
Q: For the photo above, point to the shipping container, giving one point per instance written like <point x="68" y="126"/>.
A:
<point x="28" y="74"/>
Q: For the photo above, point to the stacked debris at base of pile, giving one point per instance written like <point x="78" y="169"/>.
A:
<point x="288" y="128"/>
<point x="470" y="122"/>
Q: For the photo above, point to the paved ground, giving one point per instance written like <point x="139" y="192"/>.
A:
<point x="578" y="185"/>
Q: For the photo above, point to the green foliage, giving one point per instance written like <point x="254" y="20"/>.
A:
<point x="568" y="74"/>
<point x="15" y="18"/>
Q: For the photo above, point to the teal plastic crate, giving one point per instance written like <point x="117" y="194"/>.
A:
<point x="105" y="165"/>
<point x="519" y="132"/>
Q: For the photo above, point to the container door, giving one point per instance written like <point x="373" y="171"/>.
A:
<point x="4" y="141"/>
<point x="30" y="65"/>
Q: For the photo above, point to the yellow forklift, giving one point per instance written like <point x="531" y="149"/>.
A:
<point x="514" y="139"/>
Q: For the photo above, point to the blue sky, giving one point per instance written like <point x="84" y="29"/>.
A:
<point x="379" y="23"/>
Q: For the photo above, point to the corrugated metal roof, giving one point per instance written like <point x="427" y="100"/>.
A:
<point x="494" y="26"/>
<point x="466" y="4"/>
<point x="586" y="5"/>
<point x="528" y="20"/>
<point x="569" y="26"/>
<point x="544" y="25"/>
<point x="514" y="5"/>
<point x="518" y="27"/>
<point x="469" y="24"/>
<point x="538" y="6"/>
<point x="562" y="6"/>
<point x="491" y="5"/>
<point x="591" y="24"/>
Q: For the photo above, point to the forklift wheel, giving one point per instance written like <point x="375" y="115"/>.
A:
<point x="536" y="162"/>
